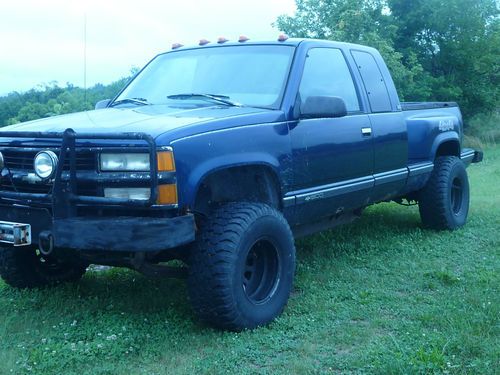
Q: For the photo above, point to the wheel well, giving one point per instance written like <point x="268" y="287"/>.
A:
<point x="237" y="184"/>
<point x="449" y="148"/>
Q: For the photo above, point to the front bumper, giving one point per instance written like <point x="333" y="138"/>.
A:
<point x="131" y="234"/>
<point x="66" y="217"/>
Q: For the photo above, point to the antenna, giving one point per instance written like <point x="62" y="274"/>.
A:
<point x="85" y="58"/>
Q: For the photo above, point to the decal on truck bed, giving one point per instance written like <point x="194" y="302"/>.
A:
<point x="446" y="125"/>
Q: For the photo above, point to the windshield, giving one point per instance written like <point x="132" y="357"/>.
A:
<point x="249" y="75"/>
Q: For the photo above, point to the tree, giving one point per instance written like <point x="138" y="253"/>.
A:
<point x="458" y="43"/>
<point x="51" y="100"/>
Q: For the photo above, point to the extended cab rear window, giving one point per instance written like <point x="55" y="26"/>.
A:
<point x="373" y="80"/>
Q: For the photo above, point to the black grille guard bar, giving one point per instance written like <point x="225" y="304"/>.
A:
<point x="63" y="195"/>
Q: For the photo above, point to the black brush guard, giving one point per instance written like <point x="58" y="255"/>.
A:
<point x="64" y="197"/>
<point x="65" y="229"/>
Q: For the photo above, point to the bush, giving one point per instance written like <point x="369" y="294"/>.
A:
<point x="483" y="129"/>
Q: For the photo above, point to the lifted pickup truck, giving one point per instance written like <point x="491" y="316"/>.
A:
<point x="220" y="155"/>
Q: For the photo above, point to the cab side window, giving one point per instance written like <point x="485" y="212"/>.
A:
<point x="326" y="74"/>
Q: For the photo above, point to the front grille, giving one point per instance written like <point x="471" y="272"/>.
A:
<point x="21" y="161"/>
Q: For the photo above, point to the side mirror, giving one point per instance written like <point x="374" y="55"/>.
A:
<point x="102" y="103"/>
<point x="323" y="107"/>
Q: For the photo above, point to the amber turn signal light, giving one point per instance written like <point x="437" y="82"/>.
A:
<point x="166" y="161"/>
<point x="167" y="194"/>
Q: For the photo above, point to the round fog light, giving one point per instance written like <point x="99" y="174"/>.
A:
<point x="45" y="164"/>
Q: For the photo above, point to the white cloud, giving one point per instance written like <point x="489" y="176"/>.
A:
<point x="42" y="41"/>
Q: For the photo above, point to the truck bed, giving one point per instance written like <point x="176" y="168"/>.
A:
<point x="428" y="124"/>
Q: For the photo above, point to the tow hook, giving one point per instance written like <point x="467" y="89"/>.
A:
<point x="46" y="243"/>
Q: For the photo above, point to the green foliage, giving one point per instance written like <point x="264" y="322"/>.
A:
<point x="378" y="296"/>
<point x="483" y="130"/>
<point x="436" y="50"/>
<point x="458" y="43"/>
<point x="53" y="100"/>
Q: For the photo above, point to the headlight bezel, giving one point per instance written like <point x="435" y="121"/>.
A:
<point x="165" y="165"/>
<point x="128" y="157"/>
<point x="165" y="161"/>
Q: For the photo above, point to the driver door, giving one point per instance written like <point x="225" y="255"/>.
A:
<point x="332" y="157"/>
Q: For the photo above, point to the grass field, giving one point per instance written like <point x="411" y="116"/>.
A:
<point x="378" y="296"/>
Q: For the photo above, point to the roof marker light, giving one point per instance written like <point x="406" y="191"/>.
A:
<point x="282" y="37"/>
<point x="203" y="42"/>
<point x="177" y="45"/>
<point x="243" y="38"/>
<point x="221" y="40"/>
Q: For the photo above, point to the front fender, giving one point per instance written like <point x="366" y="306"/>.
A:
<point x="261" y="145"/>
<point x="200" y="172"/>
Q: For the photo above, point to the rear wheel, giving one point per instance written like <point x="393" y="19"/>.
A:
<point x="444" y="201"/>
<point x="26" y="267"/>
<point x="242" y="266"/>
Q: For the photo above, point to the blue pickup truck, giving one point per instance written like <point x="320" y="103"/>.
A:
<point x="220" y="155"/>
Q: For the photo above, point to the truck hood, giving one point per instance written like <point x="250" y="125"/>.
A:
<point x="153" y="120"/>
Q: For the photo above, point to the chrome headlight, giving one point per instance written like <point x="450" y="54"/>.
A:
<point x="2" y="161"/>
<point x="45" y="164"/>
<point x="125" y="162"/>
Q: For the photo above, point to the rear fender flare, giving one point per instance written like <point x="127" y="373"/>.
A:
<point x="442" y="139"/>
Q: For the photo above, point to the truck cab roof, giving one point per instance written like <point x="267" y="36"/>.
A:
<point x="294" y="42"/>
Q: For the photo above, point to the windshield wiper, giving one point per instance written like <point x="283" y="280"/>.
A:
<point x="139" y="101"/>
<point x="223" y="99"/>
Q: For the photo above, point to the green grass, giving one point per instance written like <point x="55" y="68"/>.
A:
<point x="380" y="295"/>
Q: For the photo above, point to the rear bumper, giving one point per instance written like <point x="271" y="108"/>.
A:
<point x="130" y="234"/>
<point x="469" y="156"/>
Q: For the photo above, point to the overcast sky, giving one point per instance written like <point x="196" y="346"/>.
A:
<point x="43" y="40"/>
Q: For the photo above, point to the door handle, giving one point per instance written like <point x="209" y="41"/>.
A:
<point x="366" y="131"/>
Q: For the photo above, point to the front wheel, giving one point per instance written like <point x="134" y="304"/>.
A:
<point x="242" y="266"/>
<point x="444" y="201"/>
